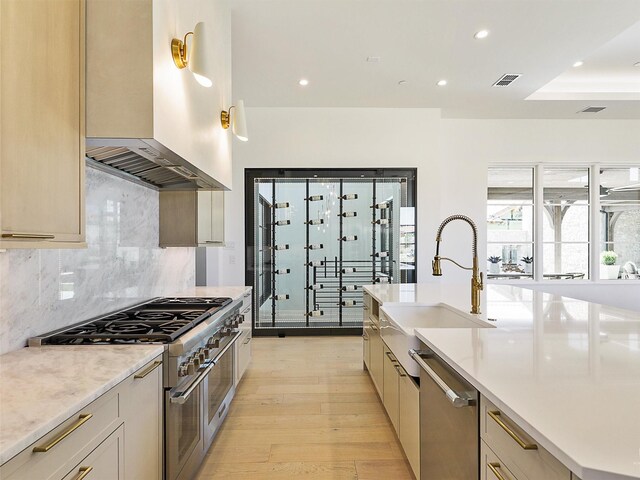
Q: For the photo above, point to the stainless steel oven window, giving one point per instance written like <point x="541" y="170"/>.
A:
<point x="184" y="431"/>
<point x="219" y="383"/>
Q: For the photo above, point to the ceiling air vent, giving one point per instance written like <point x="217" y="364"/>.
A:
<point x="507" y="79"/>
<point x="592" y="110"/>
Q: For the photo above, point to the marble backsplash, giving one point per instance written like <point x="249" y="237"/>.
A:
<point x="42" y="290"/>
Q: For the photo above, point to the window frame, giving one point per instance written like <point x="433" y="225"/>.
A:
<point x="538" y="219"/>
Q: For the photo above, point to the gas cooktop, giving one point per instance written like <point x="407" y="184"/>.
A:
<point x="161" y="320"/>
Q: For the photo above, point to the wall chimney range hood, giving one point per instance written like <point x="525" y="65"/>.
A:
<point x="147" y="121"/>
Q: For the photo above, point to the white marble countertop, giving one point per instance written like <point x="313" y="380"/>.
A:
<point x="40" y="387"/>
<point x="566" y="370"/>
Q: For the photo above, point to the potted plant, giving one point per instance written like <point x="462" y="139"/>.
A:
<point x="528" y="262"/>
<point x="494" y="264"/>
<point x="609" y="270"/>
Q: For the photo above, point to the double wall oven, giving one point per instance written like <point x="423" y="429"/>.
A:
<point x="199" y="365"/>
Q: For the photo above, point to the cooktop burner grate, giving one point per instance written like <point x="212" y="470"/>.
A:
<point x="158" y="321"/>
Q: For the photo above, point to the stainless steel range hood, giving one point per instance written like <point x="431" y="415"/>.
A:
<point x="149" y="162"/>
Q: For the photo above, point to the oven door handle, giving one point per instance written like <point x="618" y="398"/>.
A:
<point x="184" y="396"/>
<point x="236" y="335"/>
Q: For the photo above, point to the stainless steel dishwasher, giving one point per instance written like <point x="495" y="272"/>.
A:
<point x="449" y="421"/>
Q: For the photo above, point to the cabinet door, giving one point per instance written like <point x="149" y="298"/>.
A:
<point x="243" y="355"/>
<point x="42" y="123"/>
<point x="105" y="462"/>
<point x="142" y="414"/>
<point x="366" y="345"/>
<point x="409" y="420"/>
<point x="377" y="354"/>
<point x="391" y="388"/>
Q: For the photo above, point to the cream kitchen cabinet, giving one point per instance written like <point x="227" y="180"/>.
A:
<point x="243" y="344"/>
<point x="42" y="124"/>
<point x="118" y="435"/>
<point x="191" y="218"/>
<point x="105" y="462"/>
<point x="402" y="402"/>
<point x="391" y="387"/>
<point x="518" y="455"/>
<point x="141" y="409"/>
<point x="409" y="419"/>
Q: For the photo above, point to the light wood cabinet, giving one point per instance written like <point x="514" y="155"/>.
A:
<point x="42" y="123"/>
<point x="141" y="411"/>
<point x="119" y="435"/>
<point x="105" y="462"/>
<point x="523" y="457"/>
<point x="391" y="388"/>
<point x="191" y="218"/>
<point x="409" y="420"/>
<point x="377" y="358"/>
<point x="491" y="467"/>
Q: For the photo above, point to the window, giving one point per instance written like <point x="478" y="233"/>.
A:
<point x="549" y="213"/>
<point x="510" y="223"/>
<point x="619" y="223"/>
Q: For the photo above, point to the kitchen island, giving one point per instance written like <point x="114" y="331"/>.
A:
<point x="566" y="371"/>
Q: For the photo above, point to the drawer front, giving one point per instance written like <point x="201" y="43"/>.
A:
<point x="391" y="388"/>
<point x="491" y="467"/>
<point x="247" y="315"/>
<point x="409" y="420"/>
<point x="244" y="355"/>
<point x="517" y="450"/>
<point x="246" y="300"/>
<point x="105" y="462"/>
<point x="82" y="433"/>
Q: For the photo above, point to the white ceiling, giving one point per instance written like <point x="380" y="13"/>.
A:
<point x="278" y="42"/>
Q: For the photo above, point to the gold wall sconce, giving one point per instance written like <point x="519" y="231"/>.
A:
<point x="238" y="121"/>
<point x="195" y="58"/>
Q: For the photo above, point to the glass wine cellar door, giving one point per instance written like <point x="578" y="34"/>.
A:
<point x="317" y="241"/>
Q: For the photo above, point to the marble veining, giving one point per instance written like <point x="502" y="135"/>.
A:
<point x="42" y="387"/>
<point x="42" y="290"/>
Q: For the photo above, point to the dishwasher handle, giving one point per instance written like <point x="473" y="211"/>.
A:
<point x="457" y="400"/>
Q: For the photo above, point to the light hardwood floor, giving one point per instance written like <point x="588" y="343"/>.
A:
<point x="306" y="409"/>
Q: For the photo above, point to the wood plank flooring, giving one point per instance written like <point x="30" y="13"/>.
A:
<point x="306" y="409"/>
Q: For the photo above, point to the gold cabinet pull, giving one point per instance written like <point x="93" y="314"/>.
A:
<point x="148" y="370"/>
<point x="494" y="466"/>
<point x="84" y="471"/>
<point x="82" y="419"/>
<point x="526" y="446"/>
<point x="390" y="356"/>
<point x="399" y="370"/>
<point x="33" y="236"/>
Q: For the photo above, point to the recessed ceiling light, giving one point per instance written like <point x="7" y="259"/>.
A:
<point x="481" y="34"/>
<point x="441" y="83"/>
<point x="303" y="82"/>
<point x="373" y="59"/>
<point x="637" y="64"/>
<point x="402" y="82"/>
<point x="579" y="63"/>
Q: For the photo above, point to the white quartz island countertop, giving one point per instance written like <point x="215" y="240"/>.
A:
<point x="567" y="371"/>
<point x="40" y="387"/>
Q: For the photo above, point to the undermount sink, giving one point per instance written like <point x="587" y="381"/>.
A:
<point x="397" y="325"/>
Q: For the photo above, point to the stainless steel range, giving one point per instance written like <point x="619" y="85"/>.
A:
<point x="199" y="371"/>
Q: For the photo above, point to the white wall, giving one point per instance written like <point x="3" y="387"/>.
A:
<point x="451" y="156"/>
